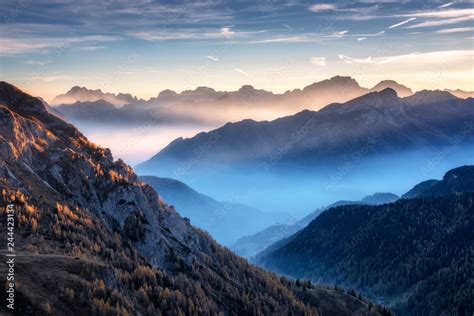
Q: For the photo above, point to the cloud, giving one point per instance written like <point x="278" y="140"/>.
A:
<point x="446" y="5"/>
<point x="440" y="14"/>
<point x="91" y="48"/>
<point x="22" y="43"/>
<point x="351" y="60"/>
<point x="212" y="58"/>
<point x="318" y="61"/>
<point x="401" y="23"/>
<point x="293" y="39"/>
<point x="360" y="39"/>
<point x="338" y="34"/>
<point x="322" y="7"/>
<point x="456" y="30"/>
<point x="416" y="58"/>
<point x="226" y="31"/>
<point x="241" y="71"/>
<point x="449" y="21"/>
<point x="374" y="61"/>
<point x="52" y="78"/>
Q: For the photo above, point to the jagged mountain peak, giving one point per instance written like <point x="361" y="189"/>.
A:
<point x="337" y="82"/>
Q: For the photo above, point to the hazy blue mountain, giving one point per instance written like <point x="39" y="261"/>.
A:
<point x="461" y="93"/>
<point x="417" y="252"/>
<point x="104" y="112"/>
<point x="225" y="221"/>
<point x="92" y="239"/>
<point x="343" y="151"/>
<point x="427" y="118"/>
<point x="249" y="246"/>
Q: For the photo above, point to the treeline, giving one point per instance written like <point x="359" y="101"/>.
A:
<point x="421" y="247"/>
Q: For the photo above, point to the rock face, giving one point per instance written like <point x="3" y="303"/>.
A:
<point x="94" y="239"/>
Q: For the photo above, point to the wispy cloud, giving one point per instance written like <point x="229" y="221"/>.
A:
<point x="401" y="23"/>
<point x="212" y="58"/>
<point x="53" y="77"/>
<point x="453" y="13"/>
<point x="338" y="34"/>
<point x="20" y="43"/>
<point x="322" y="7"/>
<point x="375" y="61"/>
<point x="293" y="39"/>
<point x="441" y="22"/>
<point x="415" y="58"/>
<point x="226" y="31"/>
<point x="360" y="39"/>
<point x="446" y="5"/>
<point x="456" y="30"/>
<point x="240" y="71"/>
<point x="318" y="61"/>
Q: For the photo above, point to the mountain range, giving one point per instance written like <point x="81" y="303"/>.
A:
<point x="225" y="221"/>
<point x="249" y="246"/>
<point x="339" y="152"/>
<point x="247" y="102"/>
<point x="415" y="254"/>
<point x="427" y="118"/>
<point x="82" y="94"/>
<point x="92" y="238"/>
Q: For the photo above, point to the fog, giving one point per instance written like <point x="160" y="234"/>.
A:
<point x="136" y="143"/>
<point x="300" y="190"/>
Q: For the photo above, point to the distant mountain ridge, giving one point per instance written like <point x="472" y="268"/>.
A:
<point x="427" y="117"/>
<point x="246" y="102"/>
<point x="82" y="94"/>
<point x="225" y="221"/>
<point x="249" y="246"/>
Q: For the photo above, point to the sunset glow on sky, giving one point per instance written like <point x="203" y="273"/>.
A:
<point x="46" y="47"/>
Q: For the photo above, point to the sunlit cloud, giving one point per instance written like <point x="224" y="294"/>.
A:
<point x="416" y="58"/>
<point x="293" y="39"/>
<point x="322" y="7"/>
<point x="446" y="5"/>
<point x="441" y="22"/>
<point x="240" y="71"/>
<point x="338" y="34"/>
<point x="226" y="31"/>
<point x="52" y="78"/>
<point x="212" y="58"/>
<point x="318" y="61"/>
<point x="401" y="23"/>
<point x="453" y="13"/>
<point x="455" y="30"/>
<point x="360" y="39"/>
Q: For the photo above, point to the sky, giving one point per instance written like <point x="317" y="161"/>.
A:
<point x="144" y="47"/>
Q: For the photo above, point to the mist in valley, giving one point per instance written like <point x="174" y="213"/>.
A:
<point x="299" y="190"/>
